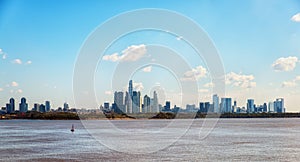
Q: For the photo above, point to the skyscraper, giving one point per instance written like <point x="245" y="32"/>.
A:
<point x="279" y="105"/>
<point x="36" y="107"/>
<point x="250" y="105"/>
<point x="146" y="108"/>
<point x="271" y="106"/>
<point x="226" y="105"/>
<point x="118" y="100"/>
<point x="12" y="104"/>
<point x="155" y="103"/>
<point x="106" y="105"/>
<point x="167" y="107"/>
<point x="23" y="106"/>
<point x="216" y="103"/>
<point x="66" y="107"/>
<point x="128" y="103"/>
<point x="136" y="98"/>
<point x="47" y="106"/>
<point x="130" y="90"/>
<point x="42" y="108"/>
<point x="10" y="107"/>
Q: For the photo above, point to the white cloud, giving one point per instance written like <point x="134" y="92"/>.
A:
<point x="108" y="92"/>
<point x="208" y="85"/>
<point x="239" y="80"/>
<point x="196" y="73"/>
<point x="17" y="61"/>
<point x="131" y="53"/>
<point x="296" y="17"/>
<point x="203" y="90"/>
<point x="4" y="56"/>
<point x="14" y="84"/>
<point x="1" y="89"/>
<point x="1" y="51"/>
<point x="114" y="57"/>
<point x="19" y="91"/>
<point x="290" y="84"/>
<point x="138" y="86"/>
<point x="285" y="64"/>
<point x="147" y="69"/>
<point x="28" y="62"/>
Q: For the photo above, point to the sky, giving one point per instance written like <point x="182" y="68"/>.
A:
<point x="258" y="43"/>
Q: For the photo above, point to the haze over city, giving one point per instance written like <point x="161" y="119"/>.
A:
<point x="259" y="48"/>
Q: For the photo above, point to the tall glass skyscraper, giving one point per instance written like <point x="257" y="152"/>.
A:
<point x="47" y="106"/>
<point x="250" y="105"/>
<point x="136" y="98"/>
<point x="226" y="105"/>
<point x="155" y="103"/>
<point x="146" y="107"/>
<point x="216" y="103"/>
<point x="12" y="104"/>
<point x="130" y="89"/>
<point x="23" y="105"/>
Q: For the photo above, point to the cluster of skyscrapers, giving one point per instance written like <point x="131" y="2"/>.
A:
<point x="10" y="107"/>
<point x="226" y="106"/>
<point x="23" y="107"/>
<point x="132" y="102"/>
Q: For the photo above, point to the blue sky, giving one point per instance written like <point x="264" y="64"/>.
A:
<point x="258" y="42"/>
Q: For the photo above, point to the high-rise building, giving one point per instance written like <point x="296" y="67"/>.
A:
<point x="42" y="108"/>
<point x="66" y="107"/>
<point x="265" y="107"/>
<point x="234" y="108"/>
<point x="167" y="107"/>
<point x="279" y="105"/>
<point x="36" y="107"/>
<point x="146" y="105"/>
<point x="250" y="105"/>
<point x="128" y="103"/>
<point x="201" y="107"/>
<point x="216" y="103"/>
<point x="8" y="108"/>
<point x="190" y="108"/>
<point x="136" y="99"/>
<point x="226" y="105"/>
<point x="12" y="104"/>
<point x="118" y="100"/>
<point x="207" y="106"/>
<point x="106" y="105"/>
<point x="130" y="89"/>
<point x="47" y="106"/>
<point x="204" y="107"/>
<point x="155" y="107"/>
<point x="271" y="106"/>
<point x="23" y="106"/>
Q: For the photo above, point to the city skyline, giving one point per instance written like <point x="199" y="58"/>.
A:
<point x="258" y="42"/>
<point x="133" y="102"/>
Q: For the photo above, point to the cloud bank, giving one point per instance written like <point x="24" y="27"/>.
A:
<point x="131" y="53"/>
<point x="296" y="18"/>
<point x="285" y="63"/>
<point x="240" y="80"/>
<point x="195" y="74"/>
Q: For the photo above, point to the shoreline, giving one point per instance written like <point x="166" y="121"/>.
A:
<point x="152" y="116"/>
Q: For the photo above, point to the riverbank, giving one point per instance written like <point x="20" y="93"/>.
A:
<point x="161" y="115"/>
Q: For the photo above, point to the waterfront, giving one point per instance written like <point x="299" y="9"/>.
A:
<point x="231" y="139"/>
